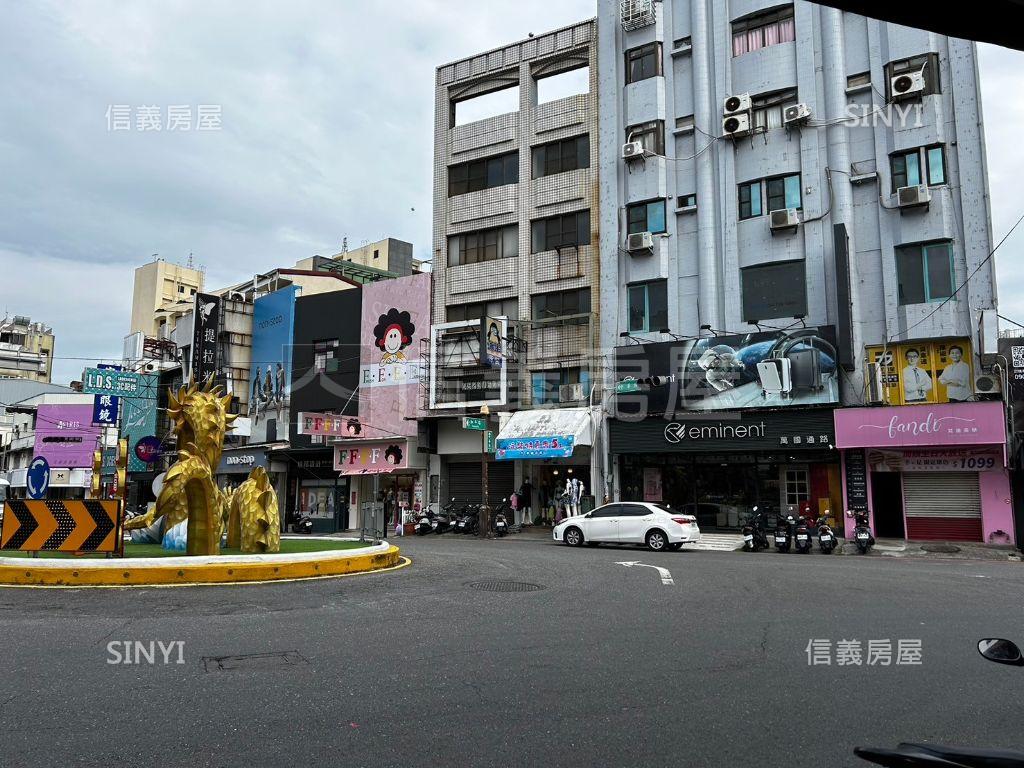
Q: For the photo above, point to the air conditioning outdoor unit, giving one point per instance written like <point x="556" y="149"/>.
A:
<point x="640" y="241"/>
<point x="987" y="384"/>
<point x="632" y="149"/>
<point x="796" y="114"/>
<point x="873" y="381"/>
<point x="571" y="393"/>
<point x="734" y="105"/>
<point x="913" y="197"/>
<point x="784" y="220"/>
<point x="907" y="85"/>
<point x="736" y="126"/>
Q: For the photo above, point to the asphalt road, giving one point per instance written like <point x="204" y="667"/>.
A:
<point x="605" y="665"/>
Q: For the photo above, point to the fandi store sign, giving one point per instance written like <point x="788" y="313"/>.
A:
<point x="937" y="425"/>
<point x="370" y="458"/>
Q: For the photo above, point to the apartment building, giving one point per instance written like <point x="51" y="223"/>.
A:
<point x="159" y="286"/>
<point x="794" y="198"/>
<point x="26" y="349"/>
<point x="516" y="266"/>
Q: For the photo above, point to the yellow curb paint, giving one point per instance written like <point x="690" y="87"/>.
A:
<point x="124" y="575"/>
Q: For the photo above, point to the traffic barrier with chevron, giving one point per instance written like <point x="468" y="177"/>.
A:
<point x="54" y="525"/>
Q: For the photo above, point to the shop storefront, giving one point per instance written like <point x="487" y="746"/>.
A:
<point x="236" y="464"/>
<point x="317" y="490"/>
<point x="933" y="472"/>
<point x="553" y="448"/>
<point x="383" y="475"/>
<point x="718" y="466"/>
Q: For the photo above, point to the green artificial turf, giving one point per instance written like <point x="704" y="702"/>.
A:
<point x="288" y="546"/>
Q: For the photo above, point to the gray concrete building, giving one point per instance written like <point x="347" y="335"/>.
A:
<point x="833" y="114"/>
<point x="515" y="239"/>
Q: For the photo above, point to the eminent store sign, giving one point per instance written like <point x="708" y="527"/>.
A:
<point x="764" y="431"/>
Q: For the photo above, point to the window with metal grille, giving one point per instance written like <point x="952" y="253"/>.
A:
<point x="566" y="230"/>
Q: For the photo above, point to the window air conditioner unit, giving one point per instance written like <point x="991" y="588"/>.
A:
<point x="796" y="114"/>
<point x="775" y="374"/>
<point x="734" y="105"/>
<point x="735" y="126"/>
<point x="640" y="241"/>
<point x="784" y="220"/>
<point x="913" y="197"/>
<point x="987" y="384"/>
<point x="873" y="382"/>
<point x="907" y="85"/>
<point x="571" y="393"/>
<point x="632" y="149"/>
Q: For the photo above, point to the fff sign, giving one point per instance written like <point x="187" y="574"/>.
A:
<point x="105" y="409"/>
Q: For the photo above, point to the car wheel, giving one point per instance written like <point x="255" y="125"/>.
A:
<point x="657" y="541"/>
<point x="573" y="537"/>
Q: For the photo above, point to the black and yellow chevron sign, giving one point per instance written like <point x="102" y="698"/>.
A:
<point x="53" y="525"/>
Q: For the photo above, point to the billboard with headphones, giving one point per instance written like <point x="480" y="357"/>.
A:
<point x="763" y="369"/>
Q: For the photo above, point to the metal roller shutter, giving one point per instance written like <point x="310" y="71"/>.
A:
<point x="942" y="505"/>
<point x="464" y="481"/>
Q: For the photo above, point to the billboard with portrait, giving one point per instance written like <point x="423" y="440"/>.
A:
<point x="723" y="372"/>
<point x="270" y="372"/>
<point x="918" y="372"/>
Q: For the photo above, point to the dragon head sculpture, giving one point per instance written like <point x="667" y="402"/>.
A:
<point x="201" y="419"/>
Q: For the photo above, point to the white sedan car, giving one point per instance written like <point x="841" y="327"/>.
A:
<point x="631" y="522"/>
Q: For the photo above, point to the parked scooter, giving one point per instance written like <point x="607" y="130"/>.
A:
<point x="826" y="536"/>
<point x="754" y="536"/>
<point x="427" y="523"/>
<point x="862" y="531"/>
<point x="446" y="518"/>
<point x="784" y="530"/>
<point x="300" y="523"/>
<point x="469" y="520"/>
<point x="499" y="523"/>
<point x="802" y="535"/>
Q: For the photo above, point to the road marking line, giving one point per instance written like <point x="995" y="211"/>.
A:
<point x="666" y="577"/>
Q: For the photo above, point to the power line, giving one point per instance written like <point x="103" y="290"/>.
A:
<point x="964" y="283"/>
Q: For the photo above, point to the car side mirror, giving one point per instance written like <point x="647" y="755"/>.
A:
<point x="1001" y="651"/>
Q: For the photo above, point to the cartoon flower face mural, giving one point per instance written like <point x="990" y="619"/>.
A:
<point x="393" y="455"/>
<point x="392" y="334"/>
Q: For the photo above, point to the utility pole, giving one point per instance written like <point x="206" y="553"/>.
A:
<point x="485" y="509"/>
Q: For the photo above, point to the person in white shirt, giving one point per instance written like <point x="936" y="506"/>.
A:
<point x="916" y="383"/>
<point x="957" y="377"/>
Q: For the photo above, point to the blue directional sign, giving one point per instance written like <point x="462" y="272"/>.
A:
<point x="37" y="479"/>
<point x="104" y="409"/>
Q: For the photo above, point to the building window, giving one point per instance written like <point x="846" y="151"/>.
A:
<point x="687" y="201"/>
<point x="783" y="192"/>
<point x="750" y="199"/>
<point x="546" y="385"/>
<point x="862" y="80"/>
<point x="547" y="306"/>
<point x="925" y="272"/>
<point x="927" y="64"/>
<point x="561" y="156"/>
<point x="181" y="289"/>
<point x="646" y="217"/>
<point x="484" y="245"/>
<point x="483" y="174"/>
<point x="567" y="230"/>
<point x="324" y="352"/>
<point x="648" y="306"/>
<point x="797" y="487"/>
<point x="763" y="30"/>
<point x="643" y="62"/>
<point x="774" y="290"/>
<point x="925" y="165"/>
<point x="476" y="310"/>
<point x="650" y="134"/>
<point x="769" y="109"/>
<point x="376" y="253"/>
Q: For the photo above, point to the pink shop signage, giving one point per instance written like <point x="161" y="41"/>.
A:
<point x="915" y="425"/>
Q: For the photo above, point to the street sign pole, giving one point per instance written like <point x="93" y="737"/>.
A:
<point x="484" y="508"/>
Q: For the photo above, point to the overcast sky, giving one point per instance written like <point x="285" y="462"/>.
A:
<point x="326" y="131"/>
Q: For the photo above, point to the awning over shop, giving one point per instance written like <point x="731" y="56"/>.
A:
<point x="549" y="433"/>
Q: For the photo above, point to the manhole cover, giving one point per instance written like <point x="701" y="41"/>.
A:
<point x="254" y="660"/>
<point x="506" y="586"/>
<point x="945" y="549"/>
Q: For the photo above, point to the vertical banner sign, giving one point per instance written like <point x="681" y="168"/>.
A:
<point x="270" y="373"/>
<point x="204" y="336"/>
<point x="856" y="465"/>
<point x="105" y="409"/>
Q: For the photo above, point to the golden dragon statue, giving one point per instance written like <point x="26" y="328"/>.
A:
<point x="250" y="513"/>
